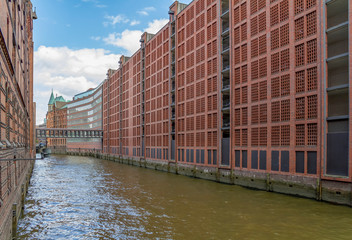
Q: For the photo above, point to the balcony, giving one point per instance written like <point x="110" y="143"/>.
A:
<point x="226" y="69"/>
<point x="226" y="103"/>
<point x="337" y="12"/>
<point x="338" y="70"/>
<point x="225" y="64"/>
<point x="338" y="40"/>
<point x="173" y="127"/>
<point x="173" y="86"/>
<point x="226" y="123"/>
<point x="173" y="72"/>
<point x="173" y="44"/>
<point x="338" y="100"/>
<point x="225" y="45"/>
<point x="173" y="58"/>
<point x="225" y="13"/>
<point x="225" y="85"/>
<point x="224" y="6"/>
<point x="225" y="27"/>
<point x="173" y="29"/>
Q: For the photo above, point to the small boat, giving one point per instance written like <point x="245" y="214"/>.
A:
<point x="46" y="152"/>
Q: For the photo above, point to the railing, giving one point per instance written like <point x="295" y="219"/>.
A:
<point x="61" y="150"/>
<point x="226" y="104"/>
<point x="225" y="44"/>
<point x="224" y="7"/>
<point x="173" y="71"/>
<point x="226" y="66"/>
<point x="225" y="26"/>
<point x="226" y="84"/>
<point x="68" y="133"/>
<point x="226" y="124"/>
<point x="84" y="150"/>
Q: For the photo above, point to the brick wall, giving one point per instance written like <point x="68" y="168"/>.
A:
<point x="252" y="75"/>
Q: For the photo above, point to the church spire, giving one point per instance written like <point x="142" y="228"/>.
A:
<point x="51" y="100"/>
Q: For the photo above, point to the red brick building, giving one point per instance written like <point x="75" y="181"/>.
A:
<point x="16" y="109"/>
<point x="253" y="86"/>
<point x="56" y="118"/>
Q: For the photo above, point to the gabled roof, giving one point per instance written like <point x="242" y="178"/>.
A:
<point x="60" y="99"/>
<point x="60" y="104"/>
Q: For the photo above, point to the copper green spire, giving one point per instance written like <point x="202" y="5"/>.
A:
<point x="51" y="100"/>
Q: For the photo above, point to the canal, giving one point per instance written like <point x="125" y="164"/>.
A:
<point x="85" y="198"/>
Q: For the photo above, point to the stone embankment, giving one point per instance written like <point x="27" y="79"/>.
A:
<point x="14" y="181"/>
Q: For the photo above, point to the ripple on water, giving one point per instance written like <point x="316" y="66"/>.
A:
<point x="85" y="198"/>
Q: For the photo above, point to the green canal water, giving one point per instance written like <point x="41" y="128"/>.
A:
<point x="86" y="198"/>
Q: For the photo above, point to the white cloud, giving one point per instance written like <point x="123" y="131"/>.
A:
<point x="134" y="22"/>
<point x="129" y="39"/>
<point x="145" y="11"/>
<point x="150" y="9"/>
<point x="95" y="38"/>
<point x="156" y="25"/>
<point x="113" y="20"/>
<point x="96" y="2"/>
<point x="68" y="72"/>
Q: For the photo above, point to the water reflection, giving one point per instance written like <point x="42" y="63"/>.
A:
<point x="85" y="198"/>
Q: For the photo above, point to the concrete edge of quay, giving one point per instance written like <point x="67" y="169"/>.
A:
<point x="301" y="186"/>
<point x="12" y="210"/>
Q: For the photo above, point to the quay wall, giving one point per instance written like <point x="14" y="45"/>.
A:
<point x="15" y="178"/>
<point x="336" y="192"/>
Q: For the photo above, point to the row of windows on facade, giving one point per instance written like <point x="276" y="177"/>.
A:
<point x="304" y="162"/>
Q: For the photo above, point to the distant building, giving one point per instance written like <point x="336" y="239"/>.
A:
<point x="42" y="125"/>
<point x="85" y="112"/>
<point x="41" y="140"/>
<point x="56" y="118"/>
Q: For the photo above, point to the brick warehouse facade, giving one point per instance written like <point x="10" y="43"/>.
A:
<point x="16" y="109"/>
<point x="259" y="88"/>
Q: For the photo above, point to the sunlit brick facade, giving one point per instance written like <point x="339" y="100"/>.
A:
<point x="157" y="95"/>
<point x="254" y="86"/>
<point x="56" y="118"/>
<point x="275" y="74"/>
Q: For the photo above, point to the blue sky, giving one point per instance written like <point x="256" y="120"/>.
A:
<point x="77" y="41"/>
